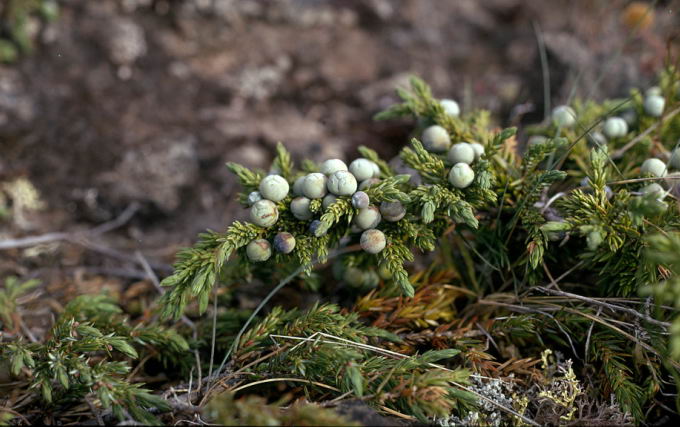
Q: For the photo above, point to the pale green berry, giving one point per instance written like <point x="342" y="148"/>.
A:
<point x="615" y="127"/>
<point x="284" y="242"/>
<point x="596" y="139"/>
<point x="436" y="139"/>
<point x="653" y="91"/>
<point x="329" y="167"/>
<point x="362" y="169"/>
<point x="653" y="166"/>
<point x="655" y="189"/>
<point x="384" y="272"/>
<point x="373" y="241"/>
<point x="264" y="213"/>
<point x="675" y="158"/>
<point x="451" y="107"/>
<point x="368" y="218"/>
<point x="654" y="105"/>
<point x="371" y="279"/>
<point x="328" y="200"/>
<point x="298" y="185"/>
<point x="315" y="185"/>
<point x="594" y="240"/>
<point x="274" y="188"/>
<point x="564" y="116"/>
<point x="461" y="175"/>
<point x="354" y="277"/>
<point x="368" y="183"/>
<point x="392" y="211"/>
<point x="478" y="149"/>
<point x="629" y="116"/>
<point x="342" y="183"/>
<point x="259" y="250"/>
<point x="461" y="152"/>
<point x="536" y="140"/>
<point x="376" y="170"/>
<point x="253" y="197"/>
<point x="360" y="200"/>
<point x="314" y="228"/>
<point x="299" y="207"/>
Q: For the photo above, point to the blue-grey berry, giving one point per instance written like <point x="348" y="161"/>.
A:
<point x="675" y="158"/>
<point x="436" y="139"/>
<point x="461" y="175"/>
<point x="373" y="241"/>
<point x="360" y="200"/>
<point x="564" y="116"/>
<point x="314" y="228"/>
<point x="299" y="207"/>
<point x="654" y="105"/>
<point x="315" y="185"/>
<point x="655" y="189"/>
<point x="653" y="91"/>
<point x="461" y="152"/>
<point x="329" y="167"/>
<point x="594" y="240"/>
<point x="451" y="107"/>
<point x="328" y="200"/>
<point x="354" y="277"/>
<point x="368" y="218"/>
<point x="478" y="149"/>
<point x="274" y="188"/>
<point x="342" y="183"/>
<point x="376" y="170"/>
<point x="536" y="140"/>
<point x="629" y="116"/>
<point x="615" y="127"/>
<point x="392" y="211"/>
<point x="368" y="183"/>
<point x="362" y="169"/>
<point x="259" y="250"/>
<point x="298" y="186"/>
<point x="264" y="213"/>
<point x="253" y="197"/>
<point x="596" y="139"/>
<point x="284" y="242"/>
<point x="653" y="166"/>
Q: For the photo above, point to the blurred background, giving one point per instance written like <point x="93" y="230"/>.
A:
<point x="132" y="107"/>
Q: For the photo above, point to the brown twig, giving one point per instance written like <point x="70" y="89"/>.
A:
<point x="619" y="153"/>
<point x="604" y="304"/>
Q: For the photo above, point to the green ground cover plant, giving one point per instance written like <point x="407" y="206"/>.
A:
<point x="476" y="279"/>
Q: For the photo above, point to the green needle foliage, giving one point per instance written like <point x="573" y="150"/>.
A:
<point x="15" y="15"/>
<point x="79" y="359"/>
<point x="555" y="247"/>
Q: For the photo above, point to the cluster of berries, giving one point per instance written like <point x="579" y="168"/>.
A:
<point x="653" y="105"/>
<point x="334" y="180"/>
<point x="657" y="168"/>
<point x="460" y="155"/>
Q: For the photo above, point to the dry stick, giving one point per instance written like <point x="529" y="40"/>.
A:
<point x="156" y="283"/>
<point x="590" y="332"/>
<point x="272" y="380"/>
<point x="636" y="180"/>
<point x="620" y="152"/>
<point x="599" y="320"/>
<point x="52" y="237"/>
<point x="605" y="304"/>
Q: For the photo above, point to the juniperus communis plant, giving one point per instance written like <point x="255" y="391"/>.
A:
<point x="507" y="227"/>
<point x="475" y="278"/>
<point x="86" y="357"/>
